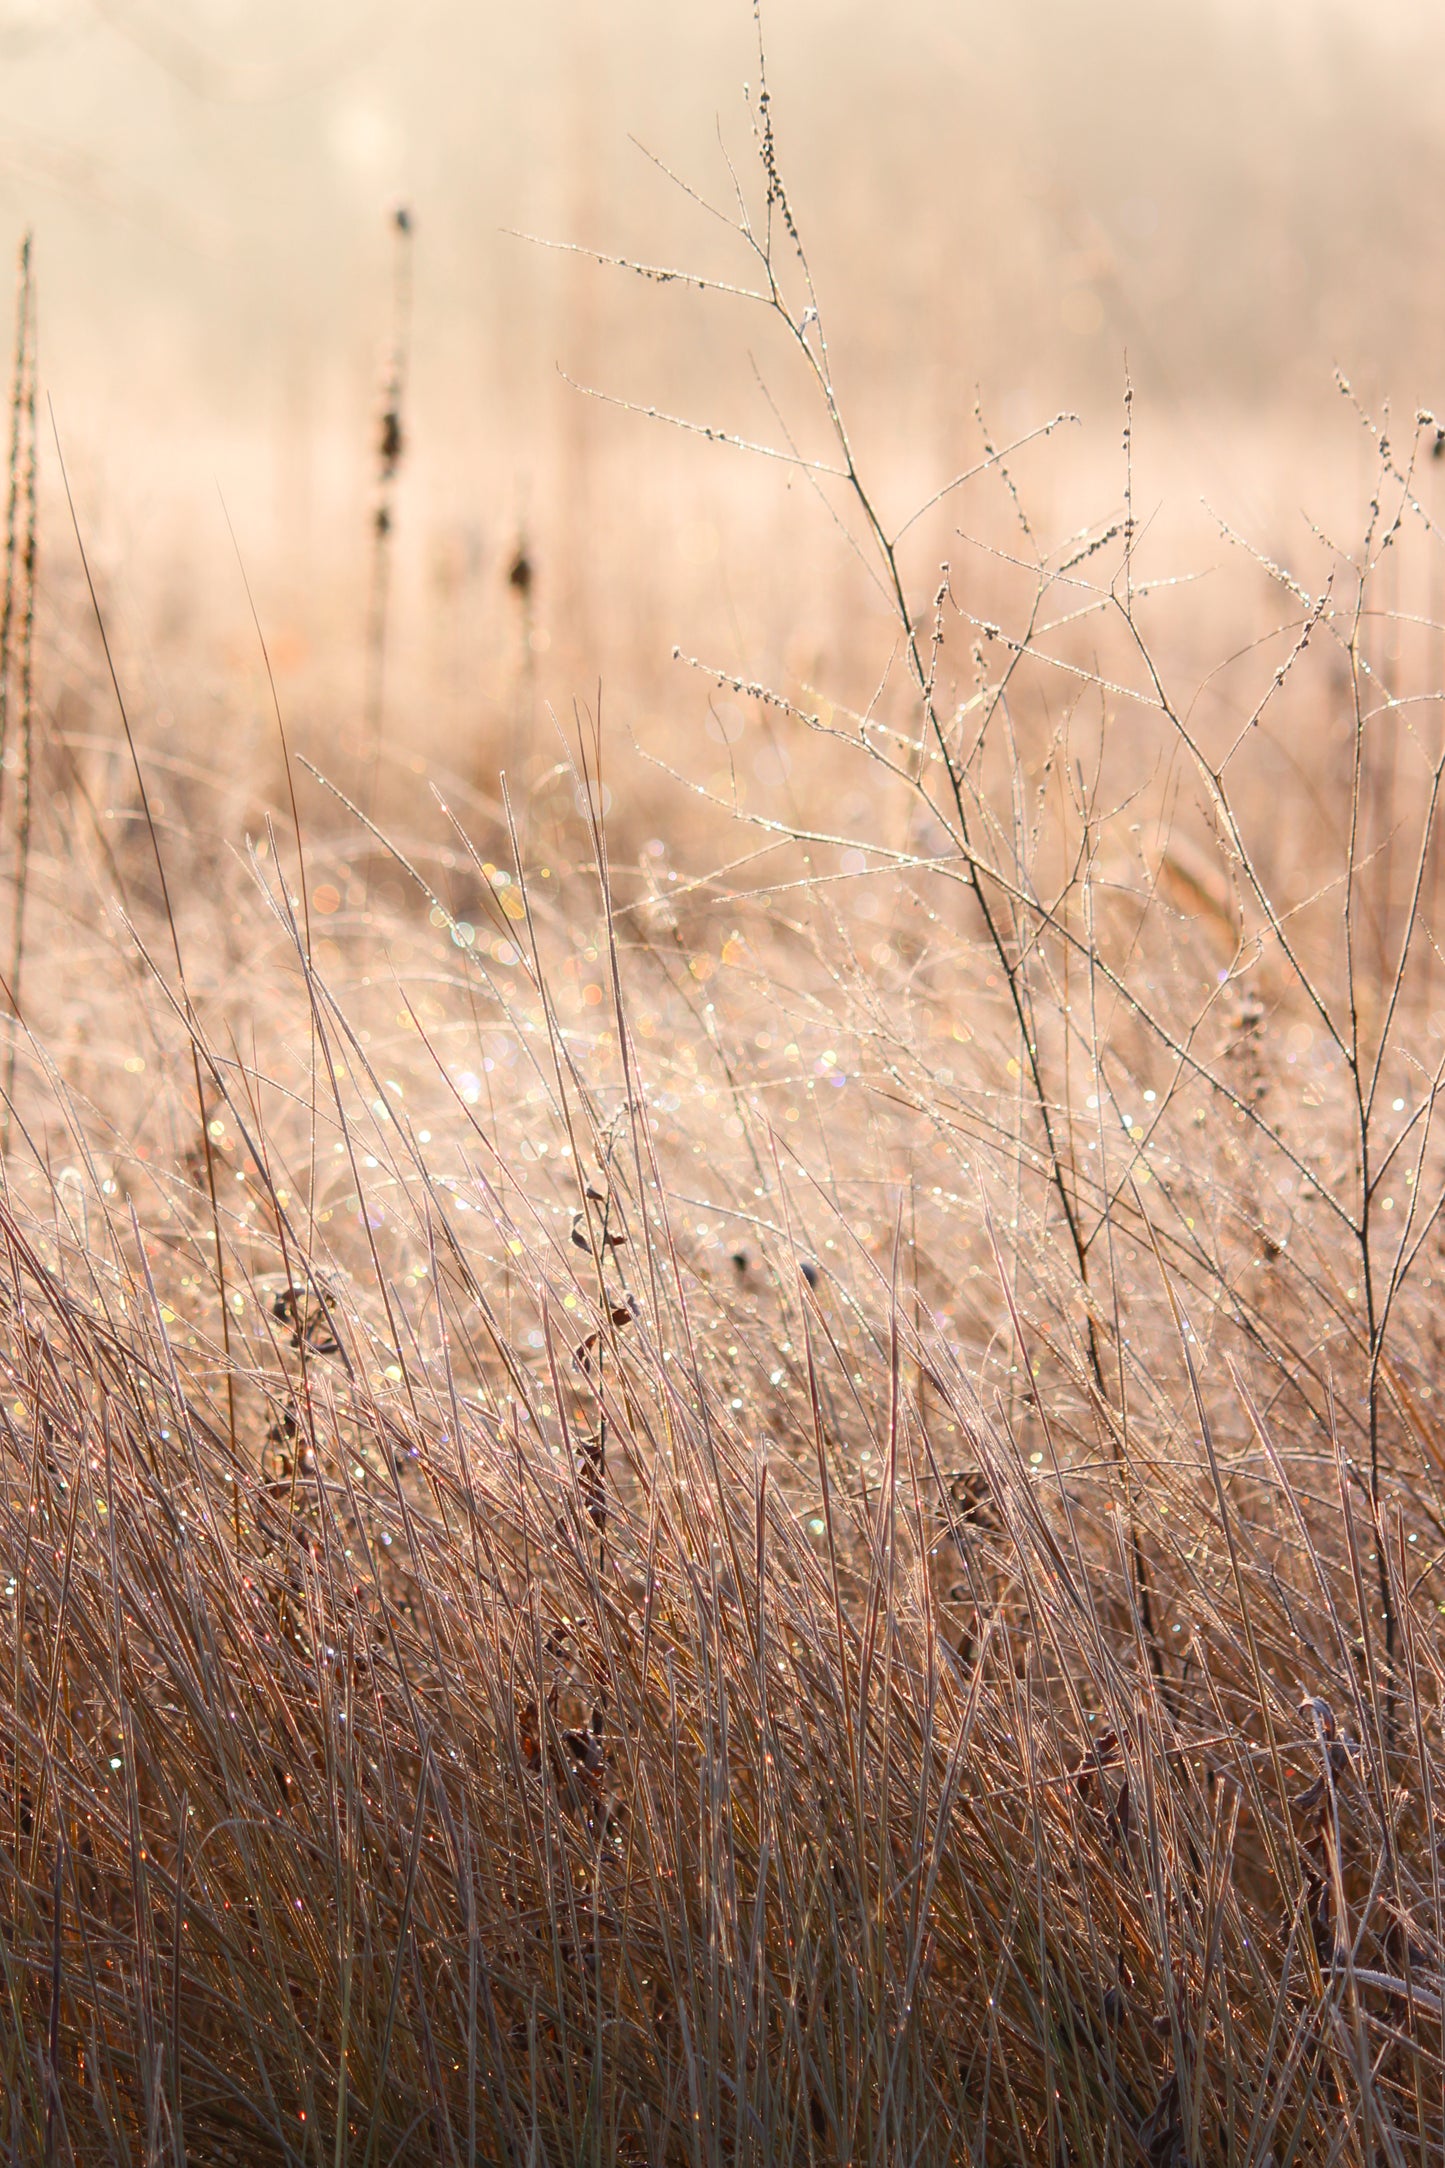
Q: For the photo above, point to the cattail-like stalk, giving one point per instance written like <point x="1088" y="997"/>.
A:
<point x="17" y="622"/>
<point x="390" y="448"/>
<point x="522" y="580"/>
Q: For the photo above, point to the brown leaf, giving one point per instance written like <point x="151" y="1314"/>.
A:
<point x="1318" y="1712"/>
<point x="1096" y="1757"/>
<point x="1162" y="2132"/>
<point x="969" y="1502"/>
<point x="585" y="1750"/>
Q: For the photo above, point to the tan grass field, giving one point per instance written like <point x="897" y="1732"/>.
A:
<point x="722" y="1180"/>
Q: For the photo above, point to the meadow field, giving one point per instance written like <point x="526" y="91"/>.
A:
<point x="721" y="1160"/>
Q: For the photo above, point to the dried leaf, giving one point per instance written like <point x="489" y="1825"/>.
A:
<point x="1318" y="1711"/>
<point x="1096" y="1757"/>
<point x="1161" y="2133"/>
<point x="969" y="1501"/>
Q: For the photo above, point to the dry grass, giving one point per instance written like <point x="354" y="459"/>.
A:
<point x="770" y="1507"/>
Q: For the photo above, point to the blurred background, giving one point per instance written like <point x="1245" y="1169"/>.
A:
<point x="1000" y="205"/>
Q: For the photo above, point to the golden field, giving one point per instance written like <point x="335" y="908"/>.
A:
<point x="721" y="1156"/>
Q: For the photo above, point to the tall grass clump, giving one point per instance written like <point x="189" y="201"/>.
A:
<point x="775" y="1512"/>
